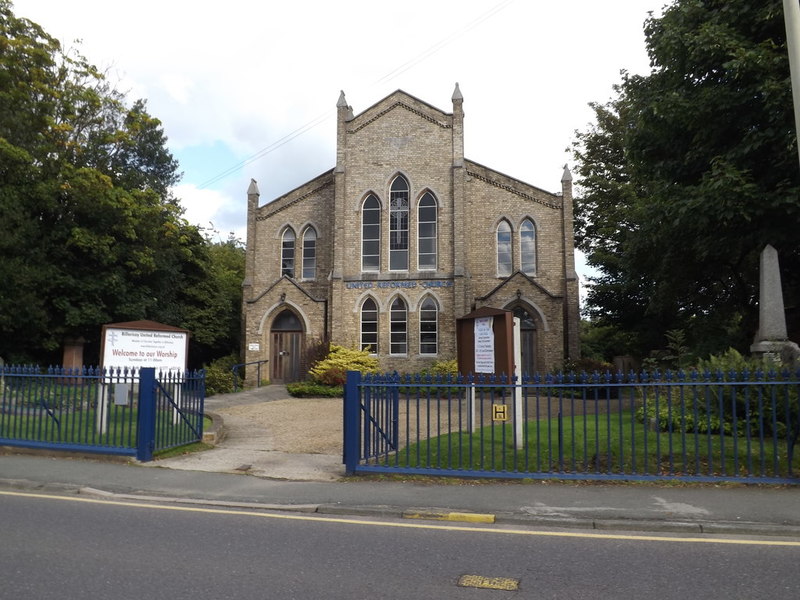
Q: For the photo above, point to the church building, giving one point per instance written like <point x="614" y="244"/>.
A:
<point x="400" y="238"/>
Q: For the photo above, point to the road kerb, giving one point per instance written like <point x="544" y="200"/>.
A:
<point x="461" y="517"/>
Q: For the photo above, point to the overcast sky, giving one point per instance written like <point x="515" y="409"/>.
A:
<point x="249" y="89"/>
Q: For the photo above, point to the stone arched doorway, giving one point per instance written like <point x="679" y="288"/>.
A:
<point x="286" y="348"/>
<point x="528" y="339"/>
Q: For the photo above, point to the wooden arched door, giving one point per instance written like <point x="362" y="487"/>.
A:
<point x="286" y="348"/>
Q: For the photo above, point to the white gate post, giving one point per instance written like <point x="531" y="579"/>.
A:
<point x="517" y="390"/>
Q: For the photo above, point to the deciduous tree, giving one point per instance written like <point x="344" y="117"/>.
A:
<point x="89" y="230"/>
<point x="688" y="172"/>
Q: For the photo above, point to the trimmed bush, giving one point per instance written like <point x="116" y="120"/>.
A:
<point x="444" y="367"/>
<point x="310" y="389"/>
<point x="332" y="370"/>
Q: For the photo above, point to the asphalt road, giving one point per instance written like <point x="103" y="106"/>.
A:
<point x="67" y="547"/>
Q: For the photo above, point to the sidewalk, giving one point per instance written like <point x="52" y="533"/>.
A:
<point x="316" y="484"/>
<point x="688" y="510"/>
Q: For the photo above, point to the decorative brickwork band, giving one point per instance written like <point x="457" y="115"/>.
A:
<point x="419" y="113"/>
<point x="266" y="216"/>
<point x="508" y="188"/>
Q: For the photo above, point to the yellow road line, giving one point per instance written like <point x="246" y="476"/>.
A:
<point x="406" y="525"/>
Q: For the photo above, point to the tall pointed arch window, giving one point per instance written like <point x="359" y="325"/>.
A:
<point x="504" y="261"/>
<point x="399" y="327"/>
<point x="426" y="232"/>
<point x="371" y="234"/>
<point x="527" y="247"/>
<point x="287" y="252"/>
<point x="428" y="327"/>
<point x="310" y="253"/>
<point x="369" y="326"/>
<point x="398" y="225"/>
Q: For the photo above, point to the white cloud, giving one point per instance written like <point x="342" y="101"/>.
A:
<point x="179" y="87"/>
<point x="243" y="75"/>
<point x="202" y="207"/>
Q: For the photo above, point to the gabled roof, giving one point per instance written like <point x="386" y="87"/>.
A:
<point x="400" y="100"/>
<point x="279" y="281"/>
<point x="510" y="280"/>
<point x="400" y="96"/>
<point x="512" y="184"/>
<point x="301" y="192"/>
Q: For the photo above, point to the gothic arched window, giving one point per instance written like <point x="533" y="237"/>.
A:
<point x="527" y="247"/>
<point x="429" y="327"/>
<point x="371" y="234"/>
<point x="309" y="253"/>
<point x="287" y="252"/>
<point x="399" y="327"/>
<point x="398" y="225"/>
<point x="426" y="232"/>
<point x="369" y="326"/>
<point x="504" y="255"/>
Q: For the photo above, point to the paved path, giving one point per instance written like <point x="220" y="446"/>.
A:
<point x="248" y="445"/>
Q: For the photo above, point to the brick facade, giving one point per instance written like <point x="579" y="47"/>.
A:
<point x="402" y="136"/>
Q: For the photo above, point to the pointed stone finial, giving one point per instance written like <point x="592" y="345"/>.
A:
<point x="457" y="94"/>
<point x="771" y="339"/>
<point x="567" y="176"/>
<point x="253" y="188"/>
<point x="342" y="103"/>
<point x="771" y="317"/>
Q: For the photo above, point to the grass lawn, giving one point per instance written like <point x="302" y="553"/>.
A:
<point x="64" y="410"/>
<point x="607" y="443"/>
<point x="80" y="427"/>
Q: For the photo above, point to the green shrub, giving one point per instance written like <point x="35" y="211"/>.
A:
<point x="682" y="410"/>
<point x="332" y="370"/>
<point x="588" y="365"/>
<point x="311" y="389"/>
<point x="219" y="377"/>
<point x="439" y="370"/>
<point x="444" y="368"/>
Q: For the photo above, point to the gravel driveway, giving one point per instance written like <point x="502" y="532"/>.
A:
<point x="296" y="425"/>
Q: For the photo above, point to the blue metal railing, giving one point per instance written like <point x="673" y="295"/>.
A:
<point x="127" y="412"/>
<point x="689" y="426"/>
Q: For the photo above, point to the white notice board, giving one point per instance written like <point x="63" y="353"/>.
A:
<point x="484" y="345"/>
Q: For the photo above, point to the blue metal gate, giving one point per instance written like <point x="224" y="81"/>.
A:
<point x="117" y="411"/>
<point x="697" y="426"/>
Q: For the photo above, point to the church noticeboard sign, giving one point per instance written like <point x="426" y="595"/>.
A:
<point x="484" y="345"/>
<point x="485" y="342"/>
<point x="144" y="344"/>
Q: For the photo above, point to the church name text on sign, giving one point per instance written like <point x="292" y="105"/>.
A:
<point x="368" y="285"/>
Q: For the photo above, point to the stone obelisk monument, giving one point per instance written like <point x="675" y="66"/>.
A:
<point x="771" y="339"/>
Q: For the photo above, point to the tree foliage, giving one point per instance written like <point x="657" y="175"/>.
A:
<point x="688" y="173"/>
<point x="89" y="230"/>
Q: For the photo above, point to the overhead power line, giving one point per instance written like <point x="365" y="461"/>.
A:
<point x="393" y="74"/>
